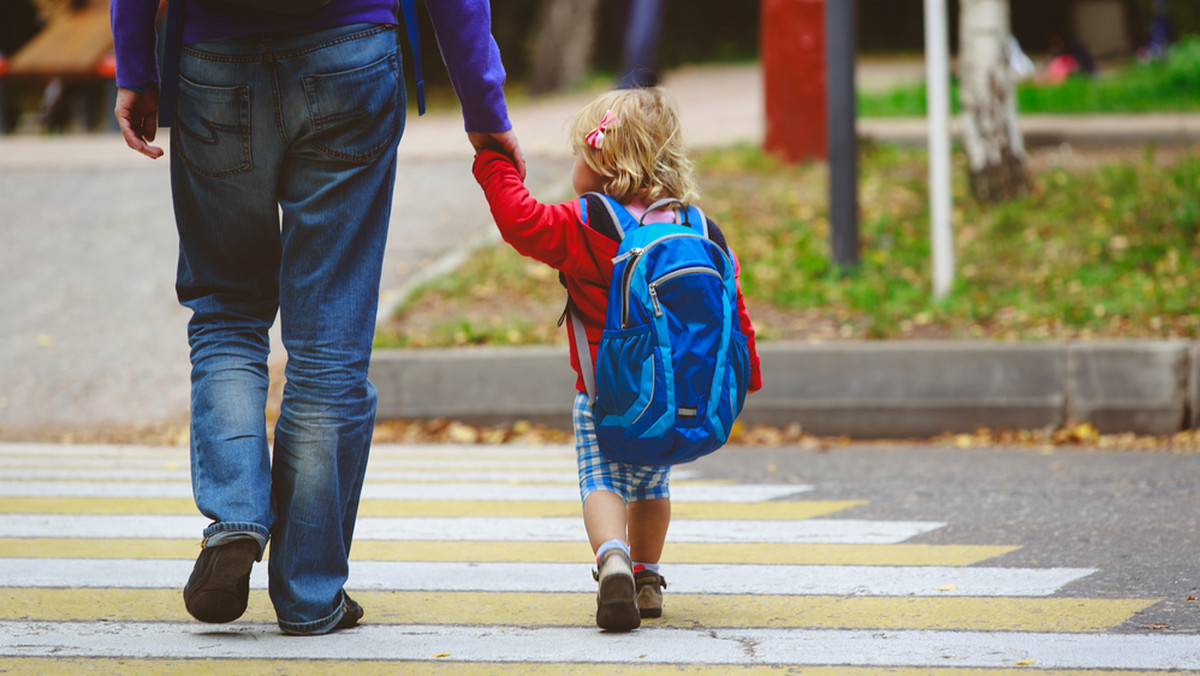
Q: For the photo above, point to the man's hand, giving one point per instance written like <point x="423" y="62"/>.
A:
<point x="504" y="142"/>
<point x="137" y="114"/>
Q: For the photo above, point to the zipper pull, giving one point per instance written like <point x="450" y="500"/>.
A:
<point x="654" y="300"/>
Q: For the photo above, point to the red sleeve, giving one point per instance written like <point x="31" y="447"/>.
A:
<point x="748" y="330"/>
<point x="554" y="234"/>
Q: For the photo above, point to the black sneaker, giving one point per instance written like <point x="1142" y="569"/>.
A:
<point x="351" y="613"/>
<point x="616" y="604"/>
<point x="219" y="587"/>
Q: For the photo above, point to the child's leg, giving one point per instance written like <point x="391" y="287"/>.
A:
<point x="604" y="517"/>
<point x="649" y="518"/>
<point x="648" y="523"/>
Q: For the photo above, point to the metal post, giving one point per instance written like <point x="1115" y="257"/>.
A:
<point x="843" y="137"/>
<point x="937" y="78"/>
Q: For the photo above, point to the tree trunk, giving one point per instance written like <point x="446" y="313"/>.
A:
<point x="562" y="54"/>
<point x="991" y="130"/>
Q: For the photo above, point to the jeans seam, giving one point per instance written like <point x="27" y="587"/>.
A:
<point x="291" y="53"/>
<point x="319" y="626"/>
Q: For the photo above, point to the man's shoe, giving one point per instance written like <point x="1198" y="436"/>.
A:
<point x="616" y="604"/>
<point x="219" y="586"/>
<point x="351" y="613"/>
<point x="649" y="592"/>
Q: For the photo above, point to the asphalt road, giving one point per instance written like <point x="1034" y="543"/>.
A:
<point x="90" y="331"/>
<point x="1133" y="516"/>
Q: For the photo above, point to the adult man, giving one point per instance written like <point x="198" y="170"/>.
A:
<point x="299" y="115"/>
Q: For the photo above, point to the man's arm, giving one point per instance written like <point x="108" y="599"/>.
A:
<point x="137" y="74"/>
<point x="464" y="35"/>
<point x="137" y="115"/>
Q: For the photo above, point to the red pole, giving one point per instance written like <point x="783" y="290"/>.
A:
<point x="793" y="63"/>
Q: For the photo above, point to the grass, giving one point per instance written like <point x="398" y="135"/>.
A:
<point x="1103" y="250"/>
<point x="1172" y="85"/>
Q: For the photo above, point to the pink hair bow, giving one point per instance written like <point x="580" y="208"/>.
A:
<point x="595" y="138"/>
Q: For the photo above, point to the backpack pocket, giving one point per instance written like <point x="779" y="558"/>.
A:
<point x="629" y="380"/>
<point x="739" y="360"/>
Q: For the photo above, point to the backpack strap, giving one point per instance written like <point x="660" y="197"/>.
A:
<point x="621" y="219"/>
<point x="409" y="9"/>
<point x="172" y="43"/>
<point x="584" y="351"/>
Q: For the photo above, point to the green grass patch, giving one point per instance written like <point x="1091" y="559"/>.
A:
<point x="1105" y="251"/>
<point x="1170" y="85"/>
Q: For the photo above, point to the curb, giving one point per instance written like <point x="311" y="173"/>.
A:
<point x="889" y="389"/>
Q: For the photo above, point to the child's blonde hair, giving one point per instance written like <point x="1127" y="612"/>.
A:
<point x="642" y="154"/>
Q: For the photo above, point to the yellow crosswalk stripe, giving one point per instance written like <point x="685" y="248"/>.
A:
<point x="784" y="511"/>
<point x="433" y="667"/>
<point x="576" y="609"/>
<point x="547" y="552"/>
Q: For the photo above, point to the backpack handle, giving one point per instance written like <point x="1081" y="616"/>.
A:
<point x="665" y="202"/>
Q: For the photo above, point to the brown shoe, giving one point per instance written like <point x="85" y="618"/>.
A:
<point x="616" y="604"/>
<point x="649" y="592"/>
<point x="219" y="587"/>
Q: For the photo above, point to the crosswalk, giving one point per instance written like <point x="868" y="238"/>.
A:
<point x="473" y="560"/>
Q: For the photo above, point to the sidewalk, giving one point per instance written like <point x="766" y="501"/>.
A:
<point x="91" y="334"/>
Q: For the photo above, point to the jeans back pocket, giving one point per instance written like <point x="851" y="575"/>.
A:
<point x="212" y="128"/>
<point x="356" y="114"/>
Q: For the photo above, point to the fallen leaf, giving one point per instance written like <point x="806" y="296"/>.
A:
<point x="948" y="587"/>
<point x="1024" y="663"/>
<point x="441" y="654"/>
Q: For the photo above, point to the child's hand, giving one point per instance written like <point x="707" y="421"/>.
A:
<point x="504" y="142"/>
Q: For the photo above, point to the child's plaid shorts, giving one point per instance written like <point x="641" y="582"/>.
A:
<point x="633" y="483"/>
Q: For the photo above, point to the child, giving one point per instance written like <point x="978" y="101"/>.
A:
<point x="627" y="145"/>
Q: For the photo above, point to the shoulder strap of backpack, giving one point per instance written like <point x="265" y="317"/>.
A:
<point x="622" y="220"/>
<point x="409" y="9"/>
<point x="700" y="217"/>
<point x="172" y="42"/>
<point x="585" y="356"/>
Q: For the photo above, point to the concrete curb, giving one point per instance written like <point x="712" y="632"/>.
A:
<point x="858" y="389"/>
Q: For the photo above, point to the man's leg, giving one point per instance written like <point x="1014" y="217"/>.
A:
<point x="343" y="106"/>
<point x="228" y="226"/>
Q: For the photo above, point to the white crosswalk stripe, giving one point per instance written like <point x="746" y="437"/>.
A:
<point x="574" y="645"/>
<point x="550" y="577"/>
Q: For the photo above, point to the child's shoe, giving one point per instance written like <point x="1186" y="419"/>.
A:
<point x="616" y="604"/>
<point x="649" y="592"/>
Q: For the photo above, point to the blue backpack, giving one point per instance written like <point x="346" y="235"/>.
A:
<point x="672" y="366"/>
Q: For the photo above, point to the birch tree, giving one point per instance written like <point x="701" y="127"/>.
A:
<point x="991" y="131"/>
<point x="566" y="35"/>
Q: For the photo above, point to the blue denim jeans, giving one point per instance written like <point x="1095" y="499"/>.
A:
<point x="282" y="170"/>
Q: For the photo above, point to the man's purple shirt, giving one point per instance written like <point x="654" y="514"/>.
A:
<point x="463" y="29"/>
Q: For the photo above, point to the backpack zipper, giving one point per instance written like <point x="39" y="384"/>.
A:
<point x="693" y="270"/>
<point x="634" y="255"/>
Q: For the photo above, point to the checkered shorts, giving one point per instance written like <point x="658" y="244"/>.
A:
<point x="633" y="483"/>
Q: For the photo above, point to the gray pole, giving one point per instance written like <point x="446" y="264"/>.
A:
<point x="843" y="138"/>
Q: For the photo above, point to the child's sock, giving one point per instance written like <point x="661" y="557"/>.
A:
<point x="638" y="567"/>
<point x="612" y="544"/>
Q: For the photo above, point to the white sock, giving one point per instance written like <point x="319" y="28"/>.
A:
<point x="610" y="545"/>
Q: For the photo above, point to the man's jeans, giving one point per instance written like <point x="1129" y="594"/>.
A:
<point x="304" y="125"/>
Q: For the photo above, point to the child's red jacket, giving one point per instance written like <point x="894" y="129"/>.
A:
<point x="559" y="235"/>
